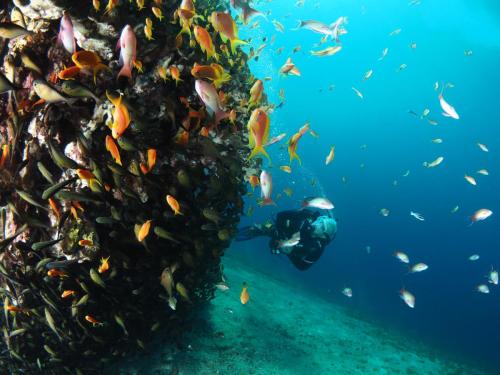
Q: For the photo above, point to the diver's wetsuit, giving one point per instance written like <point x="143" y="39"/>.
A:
<point x="313" y="237"/>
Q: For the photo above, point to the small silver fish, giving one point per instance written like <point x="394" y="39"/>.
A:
<point x="290" y="242"/>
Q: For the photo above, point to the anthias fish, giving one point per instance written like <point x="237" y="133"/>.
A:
<point x="322" y="203"/>
<point x="246" y="10"/>
<point x="266" y="185"/>
<point x="224" y="24"/>
<point x="258" y="128"/>
<point x="209" y="96"/>
<point x="66" y="34"/>
<point x="128" y="50"/>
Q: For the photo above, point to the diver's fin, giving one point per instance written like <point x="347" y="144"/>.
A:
<point x="248" y="233"/>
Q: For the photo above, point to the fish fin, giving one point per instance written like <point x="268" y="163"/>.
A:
<point x="235" y="43"/>
<point x="225" y="78"/>
<point x="138" y="65"/>
<point x="125" y="71"/>
<point x="294" y="155"/>
<point x="259" y="150"/>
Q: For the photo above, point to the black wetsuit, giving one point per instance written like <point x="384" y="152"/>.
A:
<point x="309" y="249"/>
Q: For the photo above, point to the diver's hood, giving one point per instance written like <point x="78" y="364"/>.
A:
<point x="324" y="227"/>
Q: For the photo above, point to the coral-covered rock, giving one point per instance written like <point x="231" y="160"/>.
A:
<point x="93" y="258"/>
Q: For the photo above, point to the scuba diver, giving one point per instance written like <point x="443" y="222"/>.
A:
<point x="302" y="235"/>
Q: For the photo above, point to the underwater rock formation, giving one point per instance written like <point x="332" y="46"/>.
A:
<point x="93" y="258"/>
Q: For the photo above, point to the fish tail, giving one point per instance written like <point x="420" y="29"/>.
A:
<point x="220" y="115"/>
<point x="248" y="13"/>
<point x="138" y="65"/>
<point x="301" y="23"/>
<point x="294" y="155"/>
<point x="125" y="71"/>
<point x="259" y="150"/>
<point x="185" y="29"/>
<point x="220" y="81"/>
<point x="235" y="43"/>
<point x="267" y="202"/>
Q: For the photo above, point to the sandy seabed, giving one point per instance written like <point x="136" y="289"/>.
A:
<point x="283" y="331"/>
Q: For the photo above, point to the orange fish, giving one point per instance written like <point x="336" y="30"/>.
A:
<point x="174" y="205"/>
<point x="68" y="293"/>
<point x="186" y="13"/>
<point x="69" y="73"/>
<point x="183" y="138"/>
<point x="205" y="42"/>
<point x="224" y="24"/>
<point x="204" y="131"/>
<point x="151" y="158"/>
<point x="213" y="72"/>
<point x="74" y="206"/>
<point x="121" y="116"/>
<point x="77" y="205"/>
<point x="5" y="154"/>
<point x="88" y="61"/>
<point x="151" y="161"/>
<point x="256" y="93"/>
<point x="55" y="208"/>
<point x="162" y="73"/>
<point x="111" y="5"/>
<point x="85" y="243"/>
<point x="56" y="273"/>
<point x="254" y="181"/>
<point x="175" y="74"/>
<point x="113" y="149"/>
<point x="157" y="12"/>
<point x="144" y="231"/>
<point x="104" y="266"/>
<point x="244" y="296"/>
<point x="16" y="309"/>
<point x="84" y="174"/>
<point x="289" y="68"/>
<point x="258" y="128"/>
<point x="94" y="321"/>
<point x="293" y="143"/>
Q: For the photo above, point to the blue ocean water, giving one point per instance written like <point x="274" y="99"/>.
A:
<point x="450" y="315"/>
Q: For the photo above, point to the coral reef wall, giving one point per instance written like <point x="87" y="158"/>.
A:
<point x="94" y="259"/>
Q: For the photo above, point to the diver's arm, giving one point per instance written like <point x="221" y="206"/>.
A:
<point x="253" y="231"/>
